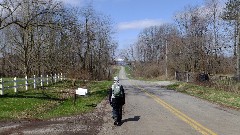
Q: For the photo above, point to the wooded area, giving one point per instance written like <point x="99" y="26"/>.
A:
<point x="203" y="39"/>
<point x="47" y="37"/>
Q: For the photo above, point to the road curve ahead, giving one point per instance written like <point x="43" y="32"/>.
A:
<point x="151" y="109"/>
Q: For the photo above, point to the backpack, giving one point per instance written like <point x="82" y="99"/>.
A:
<point x="116" y="92"/>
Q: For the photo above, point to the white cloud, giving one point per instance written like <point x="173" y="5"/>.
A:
<point x="80" y="2"/>
<point x="139" y="24"/>
<point x="73" y="2"/>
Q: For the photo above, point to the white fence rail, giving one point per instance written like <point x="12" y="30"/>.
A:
<point x="35" y="82"/>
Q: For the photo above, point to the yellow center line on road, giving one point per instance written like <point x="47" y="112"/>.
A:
<point x="203" y="130"/>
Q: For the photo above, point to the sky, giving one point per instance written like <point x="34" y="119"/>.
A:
<point x="132" y="16"/>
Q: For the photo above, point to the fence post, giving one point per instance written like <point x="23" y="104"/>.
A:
<point x="55" y="78"/>
<point x="58" y="76"/>
<point x="51" y="81"/>
<point x="26" y="82"/>
<point x="15" y="84"/>
<point x="41" y="80"/>
<point x="187" y="76"/>
<point x="61" y="77"/>
<point x="1" y="87"/>
<point x="34" y="81"/>
<point x="47" y="79"/>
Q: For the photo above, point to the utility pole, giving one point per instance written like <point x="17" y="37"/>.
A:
<point x="166" y="59"/>
<point x="238" y="48"/>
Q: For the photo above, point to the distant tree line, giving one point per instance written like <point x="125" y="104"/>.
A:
<point x="202" y="39"/>
<point x="47" y="37"/>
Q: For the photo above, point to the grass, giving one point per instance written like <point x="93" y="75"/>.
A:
<point x="222" y="97"/>
<point x="98" y="91"/>
<point x="131" y="76"/>
<point x="55" y="101"/>
<point x="128" y="72"/>
<point x="115" y="70"/>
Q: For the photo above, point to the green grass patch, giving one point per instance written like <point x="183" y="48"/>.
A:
<point x="129" y="72"/>
<point x="54" y="101"/>
<point x="98" y="91"/>
<point x="222" y="97"/>
<point x="130" y="75"/>
<point x="115" y="71"/>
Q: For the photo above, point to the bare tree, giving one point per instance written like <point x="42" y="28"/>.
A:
<point x="231" y="13"/>
<point x="24" y="20"/>
<point x="198" y="42"/>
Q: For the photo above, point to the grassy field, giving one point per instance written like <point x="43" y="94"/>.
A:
<point x="54" y="101"/>
<point x="222" y="97"/>
<point x="128" y="72"/>
<point x="115" y="70"/>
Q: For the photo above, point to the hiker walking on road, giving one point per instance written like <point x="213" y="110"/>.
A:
<point x="117" y="100"/>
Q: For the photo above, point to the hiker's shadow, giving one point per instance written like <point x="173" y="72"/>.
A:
<point x="135" y="118"/>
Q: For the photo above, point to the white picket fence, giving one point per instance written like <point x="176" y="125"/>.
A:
<point x="35" y="82"/>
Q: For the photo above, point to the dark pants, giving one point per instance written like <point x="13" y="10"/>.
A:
<point x="117" y="111"/>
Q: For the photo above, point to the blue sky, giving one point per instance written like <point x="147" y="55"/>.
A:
<point x="131" y="16"/>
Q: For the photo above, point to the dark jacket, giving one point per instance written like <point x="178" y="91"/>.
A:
<point x="117" y="100"/>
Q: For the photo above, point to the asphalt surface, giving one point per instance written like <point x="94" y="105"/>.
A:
<point x="151" y="109"/>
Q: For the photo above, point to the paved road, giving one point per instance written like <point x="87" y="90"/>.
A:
<point x="153" y="110"/>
